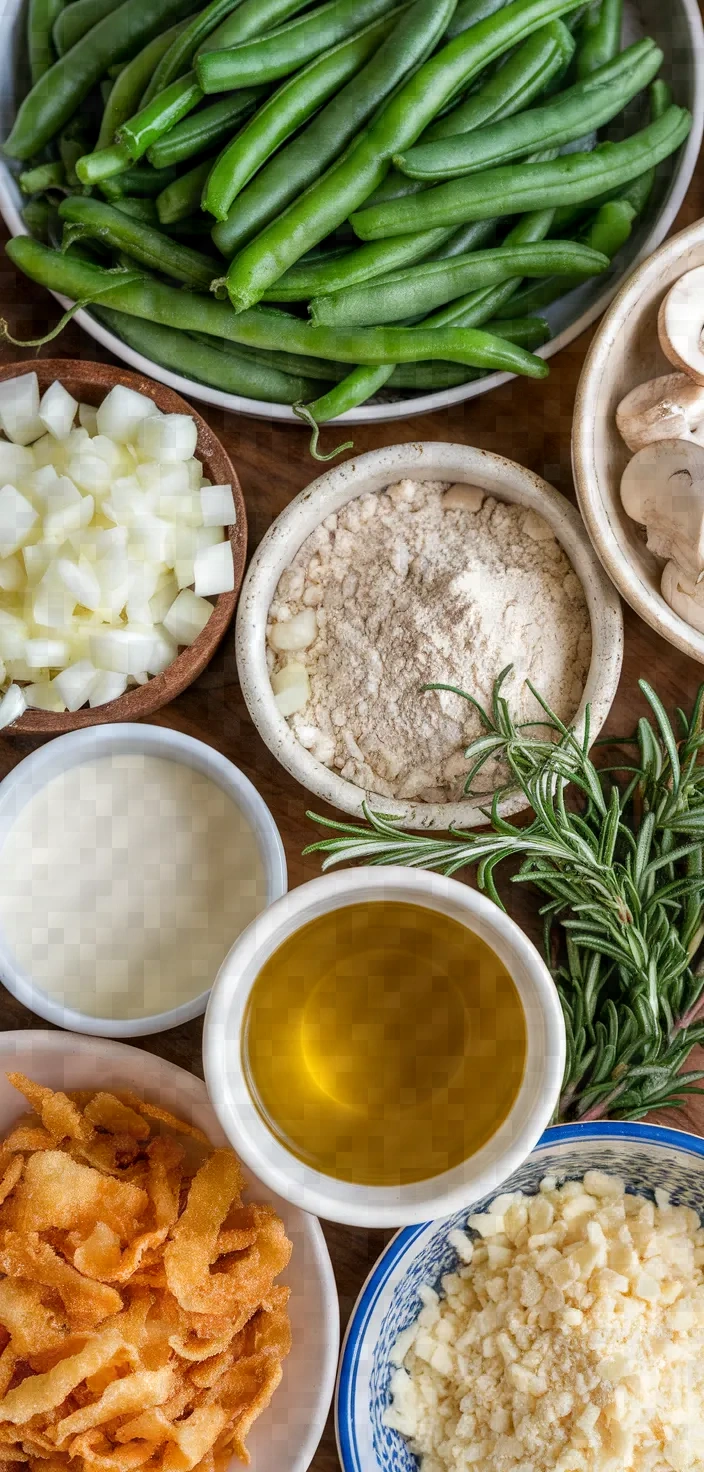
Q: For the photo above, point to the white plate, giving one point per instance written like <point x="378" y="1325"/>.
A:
<point x="288" y="1432"/>
<point x="677" y="28"/>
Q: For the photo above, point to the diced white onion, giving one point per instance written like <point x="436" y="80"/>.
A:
<point x="12" y="705"/>
<point x="127" y="650"/>
<point x="57" y="410"/>
<point x="80" y="579"/>
<point x="88" y="418"/>
<point x="218" y="506"/>
<point x="12" y="574"/>
<point x="168" y="438"/>
<point x="187" y="617"/>
<point x="291" y="687"/>
<point x="13" y="635"/>
<point x="214" y="570"/>
<point x="17" y="517"/>
<point x="108" y="685"/>
<point x="16" y="462"/>
<point x="121" y="413"/>
<point x="19" y="409"/>
<point x="44" y="696"/>
<point x="299" y="633"/>
<point x="75" y="683"/>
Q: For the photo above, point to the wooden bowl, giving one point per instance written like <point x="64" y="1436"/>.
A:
<point x="89" y="383"/>
<point x="626" y="352"/>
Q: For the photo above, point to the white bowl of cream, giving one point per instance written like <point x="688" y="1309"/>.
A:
<point x="131" y="859"/>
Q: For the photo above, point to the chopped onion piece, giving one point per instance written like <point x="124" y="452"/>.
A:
<point x="57" y="410"/>
<point x="88" y="418"/>
<point x="90" y="473"/>
<point x="44" y="696"/>
<point x="16" y="462"/>
<point x="12" y="574"/>
<point x="17" y="517"/>
<point x="187" y="617"/>
<point x="218" y="506"/>
<point x="168" y="438"/>
<point x="128" y="650"/>
<point x="164" y="596"/>
<point x="299" y="633"/>
<point x="108" y="685"/>
<point x="164" y="652"/>
<point x="52" y="604"/>
<point x="291" y="687"/>
<point x="81" y="580"/>
<point x="75" y="683"/>
<point x="122" y="411"/>
<point x="214" y="570"/>
<point x="13" y="635"/>
<point x="19" y="409"/>
<point x="12" y="705"/>
<point x="46" y="654"/>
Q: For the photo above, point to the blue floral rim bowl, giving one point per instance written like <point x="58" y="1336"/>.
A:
<point x="644" y="1156"/>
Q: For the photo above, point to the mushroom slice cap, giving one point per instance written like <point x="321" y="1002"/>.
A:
<point x="680" y="324"/>
<point x="666" y="408"/>
<point x="663" y="489"/>
<point x="684" y="597"/>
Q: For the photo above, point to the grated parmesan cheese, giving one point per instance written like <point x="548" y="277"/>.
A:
<point x="571" y="1339"/>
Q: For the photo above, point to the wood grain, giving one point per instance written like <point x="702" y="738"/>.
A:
<point x="529" y="422"/>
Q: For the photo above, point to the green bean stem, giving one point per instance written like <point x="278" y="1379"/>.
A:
<point x="159" y="116"/>
<point x="41" y="18"/>
<point x="279" y="53"/>
<point x="204" y="129"/>
<point x="144" y="243"/>
<point x="564" y="119"/>
<point x="60" y="91"/>
<point x="601" y="37"/>
<point x="526" y="74"/>
<point x="169" y="306"/>
<point x="45" y="176"/>
<point x="509" y="190"/>
<point x="349" y="183"/>
<point x="128" y="89"/>
<point x="284" y="112"/>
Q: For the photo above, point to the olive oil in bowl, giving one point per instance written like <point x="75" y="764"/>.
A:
<point x="384" y="1043"/>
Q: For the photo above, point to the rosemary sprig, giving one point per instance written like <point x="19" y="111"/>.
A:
<point x="622" y="874"/>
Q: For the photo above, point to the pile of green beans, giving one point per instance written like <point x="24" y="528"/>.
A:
<point x="391" y="167"/>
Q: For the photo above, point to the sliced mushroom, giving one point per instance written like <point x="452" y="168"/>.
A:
<point x="681" y="323"/>
<point x="684" y="596"/>
<point x="663" y="489"/>
<point x="667" y="408"/>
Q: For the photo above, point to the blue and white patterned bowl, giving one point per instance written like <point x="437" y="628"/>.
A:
<point x="645" y="1156"/>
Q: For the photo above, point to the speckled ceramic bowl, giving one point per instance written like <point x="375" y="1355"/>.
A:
<point x="645" y="1156"/>
<point x="372" y="472"/>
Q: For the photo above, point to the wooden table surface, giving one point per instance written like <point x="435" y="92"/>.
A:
<point x="529" y="422"/>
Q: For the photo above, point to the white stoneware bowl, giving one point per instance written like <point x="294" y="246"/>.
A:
<point x="42" y="766"/>
<point x="677" y="28"/>
<point x="624" y="353"/>
<point x="645" y="1156"/>
<point x="372" y="472"/>
<point x="289" y="1431"/>
<point x="383" y="1206"/>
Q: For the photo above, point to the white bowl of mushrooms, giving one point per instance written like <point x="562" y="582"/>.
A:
<point x="638" y="441"/>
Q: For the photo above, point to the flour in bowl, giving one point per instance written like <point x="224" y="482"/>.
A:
<point x="422" y="583"/>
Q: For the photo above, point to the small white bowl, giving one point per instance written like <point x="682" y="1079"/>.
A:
<point x="288" y="1432"/>
<point x="373" y="472"/>
<point x="383" y="1206"/>
<point x="626" y="352"/>
<point x="38" y="769"/>
<point x="647" y="1157"/>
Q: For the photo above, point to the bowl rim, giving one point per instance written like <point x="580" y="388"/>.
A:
<point x="444" y="399"/>
<point x="383" y="1206"/>
<point x="402" y="1240"/>
<point x="419" y="461"/>
<point x="23" y="1042"/>
<point x="34" y="773"/>
<point x="648" y="604"/>
<point x="143" y="700"/>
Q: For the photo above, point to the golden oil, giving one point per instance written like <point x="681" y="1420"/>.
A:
<point x="384" y="1043"/>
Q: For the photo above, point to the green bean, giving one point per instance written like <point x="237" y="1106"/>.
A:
<point x="349" y="183"/>
<point x="422" y="289"/>
<point x="293" y="363"/>
<point x="159" y="116"/>
<point x="59" y="93"/>
<point x="104" y="163"/>
<point x="261" y="327"/>
<point x="322" y="277"/>
<point x="286" y="110"/>
<point x="37" y="215"/>
<point x="145" y="244"/>
<point x="45" y="176"/>
<point x="474" y="309"/>
<point x="72" y="144"/>
<point x="75" y="20"/>
<point x="470" y="12"/>
<point x="205" y="128"/>
<point x="142" y="181"/>
<point x="601" y="37"/>
<point x="41" y="17"/>
<point x="129" y="87"/>
<point x="252" y="18"/>
<point x="279" y="53"/>
<point x="139" y="209"/>
<point x="182" y="196"/>
<point x="567" y="180"/>
<point x="179" y="57"/>
<point x="302" y="161"/>
<point x="395" y="186"/>
<point x="203" y="361"/>
<point x="521" y="79"/>
<point x="609" y="230"/>
<point x="564" y="119"/>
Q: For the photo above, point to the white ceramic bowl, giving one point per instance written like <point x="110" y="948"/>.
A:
<point x="288" y="1432"/>
<point x="38" y="769"/>
<point x="383" y="1206"/>
<point x="677" y="28"/>
<point x="372" y="472"/>
<point x="645" y="1156"/>
<point x="624" y="353"/>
